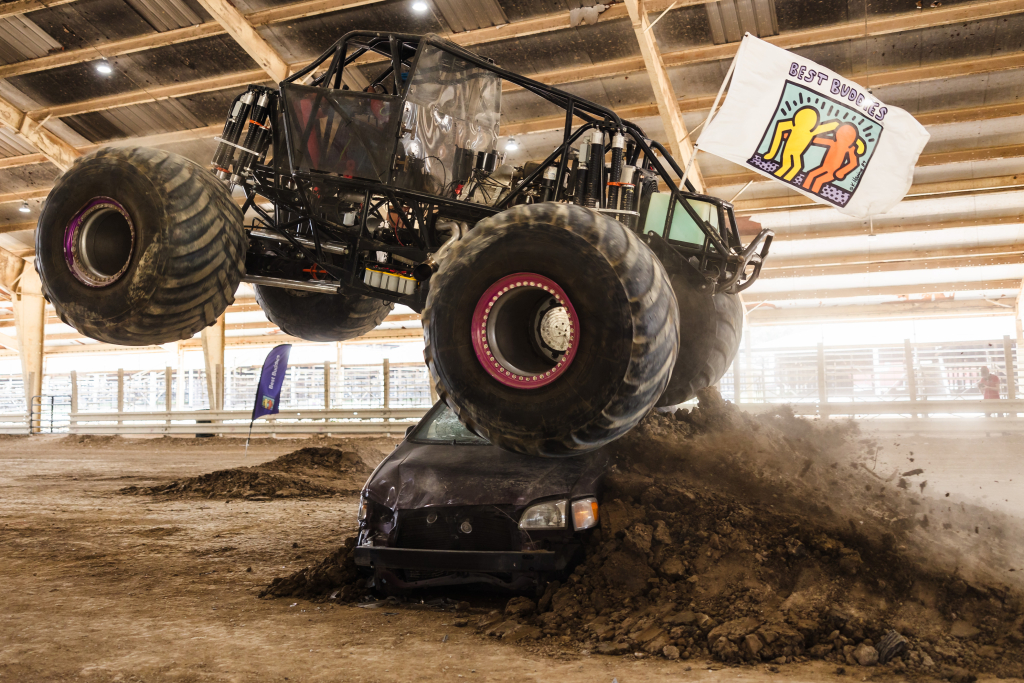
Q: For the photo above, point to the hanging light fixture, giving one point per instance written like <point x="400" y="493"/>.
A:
<point x="104" y="68"/>
<point x="420" y="6"/>
<point x="24" y="208"/>
<point x="511" y="145"/>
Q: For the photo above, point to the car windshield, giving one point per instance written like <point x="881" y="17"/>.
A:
<point x="444" y="427"/>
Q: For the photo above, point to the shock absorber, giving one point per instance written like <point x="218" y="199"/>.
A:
<point x="628" y="191"/>
<point x="579" y="197"/>
<point x="548" y="183"/>
<point x="596" y="169"/>
<point x="254" y="138"/>
<point x="615" y="172"/>
<point x="232" y="131"/>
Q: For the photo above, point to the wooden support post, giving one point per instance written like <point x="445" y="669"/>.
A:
<point x="386" y="366"/>
<point x="327" y="385"/>
<point x="30" y="321"/>
<point x="179" y="397"/>
<point x="120" y="392"/>
<point x="1011" y="377"/>
<point x="168" y="392"/>
<point x="74" y="392"/>
<point x="908" y="359"/>
<point x="213" y="352"/>
<point x="668" y="104"/>
<point x="822" y="384"/>
<point x="168" y="387"/>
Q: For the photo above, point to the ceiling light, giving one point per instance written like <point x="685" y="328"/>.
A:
<point x="104" y="68"/>
<point x="511" y="145"/>
<point x="24" y="207"/>
<point x="420" y="6"/>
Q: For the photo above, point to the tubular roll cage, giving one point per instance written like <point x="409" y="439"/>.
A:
<point x="721" y="259"/>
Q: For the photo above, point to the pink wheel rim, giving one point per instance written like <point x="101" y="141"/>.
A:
<point x="76" y="256"/>
<point x="483" y="331"/>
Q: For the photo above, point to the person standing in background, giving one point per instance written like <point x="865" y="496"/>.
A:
<point x="989" y="386"/>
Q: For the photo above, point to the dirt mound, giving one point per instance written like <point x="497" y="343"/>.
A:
<point x="90" y="440"/>
<point x="336" y="573"/>
<point x="769" y="539"/>
<point x="311" y="471"/>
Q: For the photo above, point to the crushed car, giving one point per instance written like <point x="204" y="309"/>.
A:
<point x="446" y="507"/>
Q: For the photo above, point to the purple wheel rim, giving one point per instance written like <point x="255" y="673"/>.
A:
<point x="492" y="361"/>
<point x="73" y="237"/>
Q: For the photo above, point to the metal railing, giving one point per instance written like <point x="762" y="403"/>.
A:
<point x="49" y="414"/>
<point x="904" y="372"/>
<point x="370" y="421"/>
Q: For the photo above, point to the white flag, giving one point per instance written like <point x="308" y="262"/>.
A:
<point x="799" y="123"/>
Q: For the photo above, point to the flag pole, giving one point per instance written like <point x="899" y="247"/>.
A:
<point x="714" y="106"/>
<point x="725" y="82"/>
<point x="249" y="436"/>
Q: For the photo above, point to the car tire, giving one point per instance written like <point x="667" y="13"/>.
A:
<point x="321" y="317"/>
<point x="535" y="379"/>
<point x="138" y="246"/>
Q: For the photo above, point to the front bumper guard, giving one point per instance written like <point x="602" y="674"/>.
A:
<point x="477" y="561"/>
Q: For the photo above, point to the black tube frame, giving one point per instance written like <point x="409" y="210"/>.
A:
<point x="722" y="259"/>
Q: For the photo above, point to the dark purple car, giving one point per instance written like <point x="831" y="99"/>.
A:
<point x="447" y="507"/>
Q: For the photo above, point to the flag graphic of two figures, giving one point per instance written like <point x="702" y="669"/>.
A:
<point x="797" y="122"/>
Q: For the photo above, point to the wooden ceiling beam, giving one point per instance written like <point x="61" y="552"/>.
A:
<point x="679" y="142"/>
<point x="561" y="76"/>
<point x="8" y="9"/>
<point x="904" y="310"/>
<point x="752" y="297"/>
<point x="854" y="30"/>
<point x="794" y="201"/>
<point x="31" y="130"/>
<point x="550" y="123"/>
<point x="114" y="48"/>
<point x="881" y="228"/>
<point x="255" y="45"/>
<point x="935" y="159"/>
<point x="856" y="264"/>
<point x="877" y="79"/>
<point x="239" y="79"/>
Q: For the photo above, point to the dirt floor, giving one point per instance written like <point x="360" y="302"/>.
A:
<point x="98" y="585"/>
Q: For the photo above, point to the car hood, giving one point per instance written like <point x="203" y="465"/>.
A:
<point x="418" y="475"/>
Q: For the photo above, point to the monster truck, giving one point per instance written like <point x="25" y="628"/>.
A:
<point x="561" y="300"/>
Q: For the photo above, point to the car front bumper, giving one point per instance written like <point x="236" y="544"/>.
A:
<point x="475" y="561"/>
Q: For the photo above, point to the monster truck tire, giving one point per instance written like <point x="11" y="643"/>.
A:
<point x="709" y="338"/>
<point x="613" y="319"/>
<point x="321" y="317"/>
<point x="138" y="246"/>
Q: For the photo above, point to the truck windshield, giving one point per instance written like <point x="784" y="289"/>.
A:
<point x="444" y="427"/>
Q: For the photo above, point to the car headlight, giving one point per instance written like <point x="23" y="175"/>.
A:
<point x="584" y="513"/>
<point x="546" y="515"/>
<point x="364" y="509"/>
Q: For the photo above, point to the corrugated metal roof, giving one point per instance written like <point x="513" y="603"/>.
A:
<point x="466" y="15"/>
<point x="164" y="15"/>
<point x="13" y="146"/>
<point x="21" y="39"/>
<point x="153" y="117"/>
<point x="730" y="19"/>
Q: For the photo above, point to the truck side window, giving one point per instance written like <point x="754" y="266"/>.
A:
<point x="683" y="228"/>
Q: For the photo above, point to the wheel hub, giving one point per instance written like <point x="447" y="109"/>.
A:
<point x="555" y="329"/>
<point x="525" y="331"/>
<point x="98" y="242"/>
